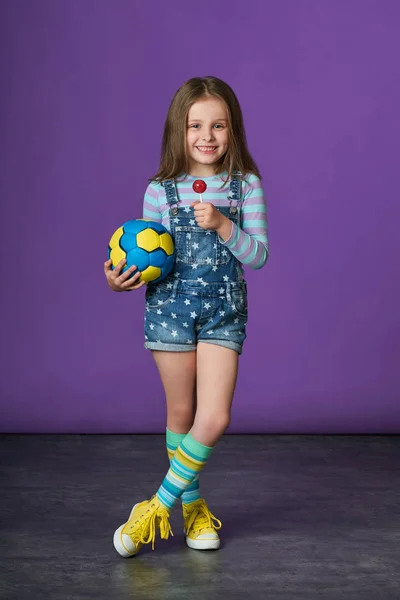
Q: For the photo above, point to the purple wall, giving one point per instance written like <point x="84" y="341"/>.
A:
<point x="85" y="89"/>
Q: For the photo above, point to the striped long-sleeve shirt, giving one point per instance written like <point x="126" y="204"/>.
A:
<point x="249" y="242"/>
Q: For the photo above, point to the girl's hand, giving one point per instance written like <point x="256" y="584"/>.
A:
<point x="207" y="215"/>
<point x="118" y="281"/>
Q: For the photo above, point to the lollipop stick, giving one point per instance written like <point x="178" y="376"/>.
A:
<point x="201" y="198"/>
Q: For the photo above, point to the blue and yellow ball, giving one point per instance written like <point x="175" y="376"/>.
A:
<point x="146" y="244"/>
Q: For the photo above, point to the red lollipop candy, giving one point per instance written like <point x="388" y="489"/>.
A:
<point x="200" y="187"/>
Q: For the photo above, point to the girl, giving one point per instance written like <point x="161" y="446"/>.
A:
<point x="195" y="319"/>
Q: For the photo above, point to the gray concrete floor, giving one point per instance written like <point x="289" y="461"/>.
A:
<point x="303" y="517"/>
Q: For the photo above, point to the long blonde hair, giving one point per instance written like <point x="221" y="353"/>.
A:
<point x="174" y="160"/>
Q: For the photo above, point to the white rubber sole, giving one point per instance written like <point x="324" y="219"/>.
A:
<point x="203" y="544"/>
<point x="117" y="540"/>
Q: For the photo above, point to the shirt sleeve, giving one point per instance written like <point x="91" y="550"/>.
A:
<point x="249" y="243"/>
<point x="151" y="208"/>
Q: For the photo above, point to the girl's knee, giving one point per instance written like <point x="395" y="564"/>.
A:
<point x="213" y="425"/>
<point x="180" y="418"/>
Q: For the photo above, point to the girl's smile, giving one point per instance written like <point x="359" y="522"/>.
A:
<point x="207" y="149"/>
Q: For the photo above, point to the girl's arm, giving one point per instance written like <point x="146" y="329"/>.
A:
<point x="151" y="209"/>
<point x="249" y="243"/>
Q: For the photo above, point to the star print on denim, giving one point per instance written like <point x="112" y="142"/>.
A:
<point x="208" y="290"/>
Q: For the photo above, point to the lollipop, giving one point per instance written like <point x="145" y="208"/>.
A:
<point x="200" y="187"/>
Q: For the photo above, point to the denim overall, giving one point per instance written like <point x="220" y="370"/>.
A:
<point x="204" y="298"/>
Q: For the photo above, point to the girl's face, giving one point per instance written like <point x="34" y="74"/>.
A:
<point x="206" y="135"/>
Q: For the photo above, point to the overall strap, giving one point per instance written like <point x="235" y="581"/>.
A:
<point x="171" y="195"/>
<point x="235" y="191"/>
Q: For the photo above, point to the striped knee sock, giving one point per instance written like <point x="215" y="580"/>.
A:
<point x="190" y="457"/>
<point x="192" y="493"/>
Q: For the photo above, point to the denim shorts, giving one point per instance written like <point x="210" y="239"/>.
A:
<point x="180" y="314"/>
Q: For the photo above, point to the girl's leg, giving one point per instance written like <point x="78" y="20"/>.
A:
<point x="217" y="369"/>
<point x="178" y="375"/>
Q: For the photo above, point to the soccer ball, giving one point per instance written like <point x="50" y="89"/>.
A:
<point x="146" y="244"/>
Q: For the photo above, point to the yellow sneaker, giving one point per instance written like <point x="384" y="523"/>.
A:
<point x="141" y="527"/>
<point x="200" y="526"/>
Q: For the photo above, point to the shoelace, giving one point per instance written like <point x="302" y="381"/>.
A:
<point x="203" y="517"/>
<point x="147" y="530"/>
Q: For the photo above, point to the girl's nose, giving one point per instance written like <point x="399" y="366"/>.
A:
<point x="207" y="136"/>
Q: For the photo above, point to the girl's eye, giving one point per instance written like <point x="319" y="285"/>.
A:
<point x="219" y="126"/>
<point x="195" y="125"/>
